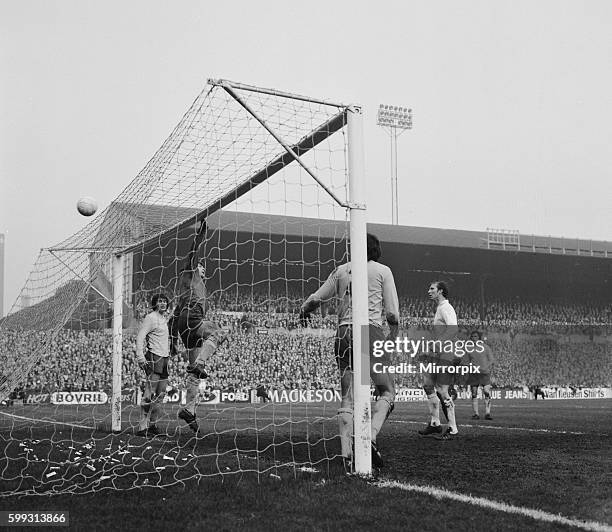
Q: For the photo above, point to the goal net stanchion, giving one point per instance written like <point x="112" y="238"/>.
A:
<point x="359" y="291"/>
<point x="279" y="179"/>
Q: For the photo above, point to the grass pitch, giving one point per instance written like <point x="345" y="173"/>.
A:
<point x="550" y="456"/>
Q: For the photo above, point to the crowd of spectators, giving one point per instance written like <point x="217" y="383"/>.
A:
<point x="267" y="346"/>
<point x="264" y="307"/>
<point x="281" y="358"/>
<point x="545" y="360"/>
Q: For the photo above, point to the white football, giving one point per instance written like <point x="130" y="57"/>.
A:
<point x="87" y="206"/>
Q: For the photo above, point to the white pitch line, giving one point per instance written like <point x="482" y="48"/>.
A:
<point x="50" y="421"/>
<point x="545" y="405"/>
<point x="538" y="515"/>
<point x="496" y="427"/>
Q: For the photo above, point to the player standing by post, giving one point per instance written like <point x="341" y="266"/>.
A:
<point x="153" y="360"/>
<point x="484" y="359"/>
<point x="199" y="336"/>
<point x="382" y="304"/>
<point x="445" y="329"/>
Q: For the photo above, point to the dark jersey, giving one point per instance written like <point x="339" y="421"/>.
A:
<point x="192" y="291"/>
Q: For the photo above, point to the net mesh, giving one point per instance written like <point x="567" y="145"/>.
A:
<point x="274" y="233"/>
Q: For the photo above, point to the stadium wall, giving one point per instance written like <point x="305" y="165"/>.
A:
<point x="215" y="397"/>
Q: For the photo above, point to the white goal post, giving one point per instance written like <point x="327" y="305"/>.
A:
<point x="279" y="181"/>
<point x="359" y="280"/>
<point x="352" y="116"/>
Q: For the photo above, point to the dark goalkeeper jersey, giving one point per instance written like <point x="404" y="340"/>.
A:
<point x="192" y="291"/>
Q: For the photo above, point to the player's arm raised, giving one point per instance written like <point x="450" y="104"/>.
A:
<point x="192" y="257"/>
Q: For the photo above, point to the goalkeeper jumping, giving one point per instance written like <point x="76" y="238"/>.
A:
<point x="382" y="304"/>
<point x="199" y="336"/>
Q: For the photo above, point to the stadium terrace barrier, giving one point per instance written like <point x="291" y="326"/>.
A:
<point x="208" y="397"/>
<point x="417" y="394"/>
<point x="31" y="397"/>
<point x="35" y="398"/>
<point x="214" y="397"/>
<point x="173" y="395"/>
<point x="304" y="396"/>
<point x="79" y="398"/>
<point x="498" y="393"/>
<point x="227" y="396"/>
<point x="578" y="393"/>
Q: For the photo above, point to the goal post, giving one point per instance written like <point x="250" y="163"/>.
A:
<point x="280" y="180"/>
<point x="359" y="281"/>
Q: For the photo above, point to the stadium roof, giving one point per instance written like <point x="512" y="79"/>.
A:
<point x="430" y="236"/>
<point x="148" y="219"/>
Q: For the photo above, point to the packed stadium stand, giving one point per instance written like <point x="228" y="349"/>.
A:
<point x="282" y="360"/>
<point x="544" y="305"/>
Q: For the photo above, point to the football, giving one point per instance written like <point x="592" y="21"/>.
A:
<point x="87" y="206"/>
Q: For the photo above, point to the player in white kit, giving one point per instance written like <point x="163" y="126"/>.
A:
<point x="445" y="329"/>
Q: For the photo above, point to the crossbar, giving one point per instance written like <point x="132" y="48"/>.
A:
<point x="273" y="92"/>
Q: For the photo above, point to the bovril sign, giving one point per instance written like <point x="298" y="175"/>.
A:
<point x="79" y="398"/>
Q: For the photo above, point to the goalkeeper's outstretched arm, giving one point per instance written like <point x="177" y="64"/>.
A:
<point x="190" y="281"/>
<point x="192" y="257"/>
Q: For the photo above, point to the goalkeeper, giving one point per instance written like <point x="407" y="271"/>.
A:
<point x="199" y="336"/>
<point x="382" y="303"/>
<point x="154" y="362"/>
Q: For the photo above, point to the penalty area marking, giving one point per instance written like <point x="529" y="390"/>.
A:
<point x="538" y="515"/>
<point x="50" y="421"/>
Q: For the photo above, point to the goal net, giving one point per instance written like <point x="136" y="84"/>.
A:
<point x="269" y="172"/>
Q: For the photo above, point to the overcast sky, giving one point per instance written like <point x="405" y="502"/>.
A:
<point x="512" y="103"/>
